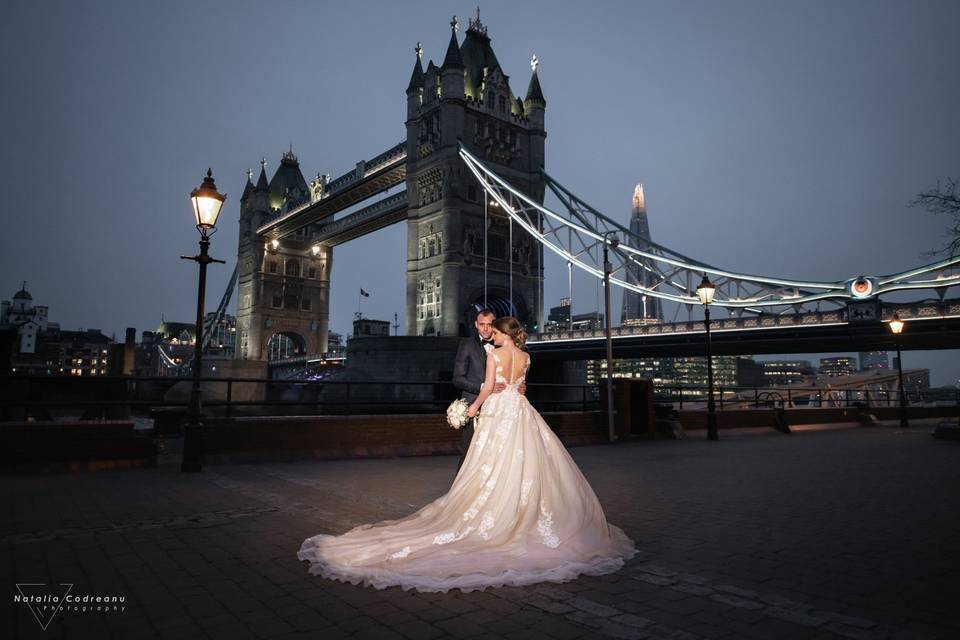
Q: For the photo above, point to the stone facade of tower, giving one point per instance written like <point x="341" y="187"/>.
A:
<point x="468" y="98"/>
<point x="283" y="290"/>
<point x="638" y="308"/>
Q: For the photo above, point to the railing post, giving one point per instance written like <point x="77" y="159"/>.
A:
<point x="229" y="395"/>
<point x="789" y="398"/>
<point x="721" y="398"/>
<point x="680" y="389"/>
<point x="756" y="398"/>
<point x="820" y="398"/>
<point x="847" y="396"/>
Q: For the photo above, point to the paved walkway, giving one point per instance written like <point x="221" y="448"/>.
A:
<point x="822" y="534"/>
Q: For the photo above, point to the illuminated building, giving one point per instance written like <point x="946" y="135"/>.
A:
<point x="838" y="366"/>
<point x="781" y="372"/>
<point x="638" y="308"/>
<point x="874" y="360"/>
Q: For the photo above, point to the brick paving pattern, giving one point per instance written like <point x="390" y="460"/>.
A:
<point x="822" y="534"/>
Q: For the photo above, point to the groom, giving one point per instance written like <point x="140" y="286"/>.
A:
<point x="469" y="370"/>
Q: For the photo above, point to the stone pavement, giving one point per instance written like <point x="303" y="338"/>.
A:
<point x="825" y="533"/>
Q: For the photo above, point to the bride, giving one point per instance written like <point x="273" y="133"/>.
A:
<point x="518" y="512"/>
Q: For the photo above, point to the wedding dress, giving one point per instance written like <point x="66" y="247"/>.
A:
<point x="518" y="512"/>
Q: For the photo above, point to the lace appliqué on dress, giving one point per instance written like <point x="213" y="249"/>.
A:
<point x="482" y="440"/>
<point x="403" y="553"/>
<point x="447" y="538"/>
<point x="481" y="499"/>
<point x="485" y="525"/>
<point x="545" y="527"/>
<point x="525" y="491"/>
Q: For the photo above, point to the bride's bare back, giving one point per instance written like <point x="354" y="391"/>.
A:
<point x="514" y="357"/>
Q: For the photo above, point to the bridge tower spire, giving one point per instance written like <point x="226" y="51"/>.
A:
<point x="415" y="87"/>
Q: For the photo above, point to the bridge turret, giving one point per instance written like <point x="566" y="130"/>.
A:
<point x="451" y="73"/>
<point x="248" y="187"/>
<point x="415" y="88"/>
<point x="535" y="104"/>
<point x="534" y="108"/>
<point x="258" y="200"/>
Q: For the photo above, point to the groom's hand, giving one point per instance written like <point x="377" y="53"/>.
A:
<point x="498" y="387"/>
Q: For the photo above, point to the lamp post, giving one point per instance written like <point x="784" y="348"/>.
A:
<point x="705" y="292"/>
<point x="896" y="326"/>
<point x="609" y="238"/>
<point x="207" y="202"/>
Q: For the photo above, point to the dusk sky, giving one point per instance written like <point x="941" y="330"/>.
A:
<point x="777" y="138"/>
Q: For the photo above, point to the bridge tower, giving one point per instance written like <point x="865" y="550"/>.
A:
<point x="283" y="289"/>
<point x="468" y="98"/>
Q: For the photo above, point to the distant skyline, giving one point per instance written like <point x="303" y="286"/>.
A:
<point x="781" y="138"/>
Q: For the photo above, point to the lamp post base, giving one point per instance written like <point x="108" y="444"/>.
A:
<point x="712" y="426"/>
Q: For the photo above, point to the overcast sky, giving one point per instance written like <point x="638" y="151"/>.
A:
<point x="782" y="138"/>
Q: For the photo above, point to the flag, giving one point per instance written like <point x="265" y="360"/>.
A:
<point x="364" y="293"/>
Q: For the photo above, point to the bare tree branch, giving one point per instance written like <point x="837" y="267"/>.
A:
<point x="944" y="199"/>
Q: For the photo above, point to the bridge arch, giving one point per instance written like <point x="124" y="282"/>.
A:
<point x="498" y="301"/>
<point x="285" y="344"/>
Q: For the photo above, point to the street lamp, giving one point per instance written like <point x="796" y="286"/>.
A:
<point x="705" y="292"/>
<point x="609" y="238"/>
<point x="207" y="202"/>
<point x="896" y="326"/>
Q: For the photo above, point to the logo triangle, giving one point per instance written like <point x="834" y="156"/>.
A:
<point x="40" y="600"/>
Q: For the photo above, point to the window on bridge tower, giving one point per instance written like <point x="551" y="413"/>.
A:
<point x="293" y="268"/>
<point x="272" y="266"/>
<point x="312" y="273"/>
<point x="277" y="301"/>
<point x="305" y="304"/>
<point x="503" y="104"/>
<point x="291" y="301"/>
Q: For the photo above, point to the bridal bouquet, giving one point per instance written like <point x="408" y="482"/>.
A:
<point x="457" y="413"/>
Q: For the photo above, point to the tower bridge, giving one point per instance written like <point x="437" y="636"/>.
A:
<point x="458" y="253"/>
<point x="472" y="143"/>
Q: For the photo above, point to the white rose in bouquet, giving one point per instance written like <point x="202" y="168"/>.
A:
<point x="457" y="413"/>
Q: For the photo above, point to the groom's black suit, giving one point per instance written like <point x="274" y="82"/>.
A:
<point x="469" y="370"/>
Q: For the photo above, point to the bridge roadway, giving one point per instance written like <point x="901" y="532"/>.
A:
<point x="369" y="178"/>
<point x="930" y="325"/>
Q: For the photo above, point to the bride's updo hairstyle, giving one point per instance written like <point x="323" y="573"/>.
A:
<point x="510" y="326"/>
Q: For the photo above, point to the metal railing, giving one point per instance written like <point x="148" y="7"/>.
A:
<point x="49" y="397"/>
<point x="44" y="397"/>
<point x="737" y="397"/>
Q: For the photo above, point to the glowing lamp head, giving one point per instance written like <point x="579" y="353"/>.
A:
<point x="705" y="290"/>
<point x="896" y="324"/>
<point x="207" y="202"/>
<point x="316" y="249"/>
<point x="274" y="244"/>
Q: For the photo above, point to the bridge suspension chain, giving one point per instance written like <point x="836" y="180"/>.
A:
<point x="579" y="234"/>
